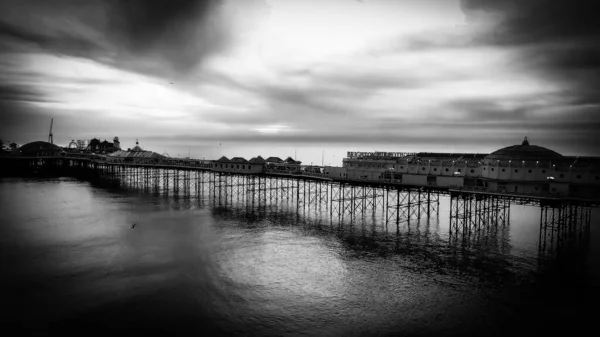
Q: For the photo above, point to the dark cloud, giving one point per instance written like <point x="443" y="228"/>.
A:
<point x="21" y="93"/>
<point x="553" y="35"/>
<point x="60" y="42"/>
<point x="536" y="21"/>
<point x="558" y="41"/>
<point x="22" y="122"/>
<point x="301" y="102"/>
<point x="177" y="35"/>
<point x="328" y="92"/>
<point x="165" y="38"/>
<point x="322" y="96"/>
<point x="355" y="79"/>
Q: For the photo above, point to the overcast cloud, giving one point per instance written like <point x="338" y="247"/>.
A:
<point x="274" y="76"/>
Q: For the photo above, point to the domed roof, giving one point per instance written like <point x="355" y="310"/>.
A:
<point x="257" y="160"/>
<point x="524" y="152"/>
<point x="34" y="147"/>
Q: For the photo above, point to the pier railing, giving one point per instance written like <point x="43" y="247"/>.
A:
<point x="483" y="189"/>
<point x="294" y="171"/>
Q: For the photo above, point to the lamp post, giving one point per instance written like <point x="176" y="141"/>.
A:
<point x="570" y="171"/>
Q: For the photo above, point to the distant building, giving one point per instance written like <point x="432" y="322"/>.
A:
<point x="238" y="165"/>
<point x="38" y="149"/>
<point x="517" y="169"/>
<point x="5" y="147"/>
<point x="8" y="147"/>
<point x="291" y="161"/>
<point x="137" y="154"/>
<point x="96" y="146"/>
<point x="274" y="160"/>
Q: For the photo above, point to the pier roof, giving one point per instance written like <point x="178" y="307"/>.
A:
<point x="136" y="154"/>
<point x="274" y="160"/>
<point x="223" y="160"/>
<point x="449" y="158"/>
<point x="238" y="160"/>
<point x="36" y="147"/>
<point x="289" y="160"/>
<point x="257" y="160"/>
<point x="524" y="152"/>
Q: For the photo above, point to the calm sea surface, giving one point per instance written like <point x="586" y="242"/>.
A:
<point x="72" y="264"/>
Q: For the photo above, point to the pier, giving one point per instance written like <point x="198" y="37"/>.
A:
<point x="474" y="214"/>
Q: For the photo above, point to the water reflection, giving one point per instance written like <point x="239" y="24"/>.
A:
<point x="483" y="236"/>
<point x="266" y="267"/>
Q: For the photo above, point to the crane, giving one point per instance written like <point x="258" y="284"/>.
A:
<point x="50" y="139"/>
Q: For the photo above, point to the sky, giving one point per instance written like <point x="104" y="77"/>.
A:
<point x="300" y="78"/>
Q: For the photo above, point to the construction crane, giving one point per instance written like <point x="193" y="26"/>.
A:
<point x="50" y="139"/>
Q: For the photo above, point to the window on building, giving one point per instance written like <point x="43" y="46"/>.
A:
<point x="492" y="169"/>
<point x="401" y="167"/>
<point x="459" y="170"/>
<point x="516" y="170"/>
<point x="543" y="171"/>
<point x="472" y="171"/>
<point x="237" y="166"/>
<point x="562" y="175"/>
<point x="529" y="171"/>
<point x="422" y="169"/>
<point x="435" y="168"/>
<point x="503" y="170"/>
<point x="579" y="176"/>
<point x="447" y="169"/>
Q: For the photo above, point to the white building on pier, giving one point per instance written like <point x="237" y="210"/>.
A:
<point x="520" y="169"/>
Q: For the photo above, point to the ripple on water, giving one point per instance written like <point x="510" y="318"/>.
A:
<point x="269" y="270"/>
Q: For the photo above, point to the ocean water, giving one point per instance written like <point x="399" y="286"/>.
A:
<point x="71" y="264"/>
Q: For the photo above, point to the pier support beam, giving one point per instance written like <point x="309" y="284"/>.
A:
<point x="471" y="213"/>
<point x="564" y="227"/>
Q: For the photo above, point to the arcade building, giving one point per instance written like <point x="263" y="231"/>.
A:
<point x="96" y="146"/>
<point x="517" y="169"/>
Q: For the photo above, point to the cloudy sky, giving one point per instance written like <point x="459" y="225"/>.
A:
<point x="315" y="78"/>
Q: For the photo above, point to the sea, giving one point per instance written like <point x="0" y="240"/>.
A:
<point x="84" y="259"/>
